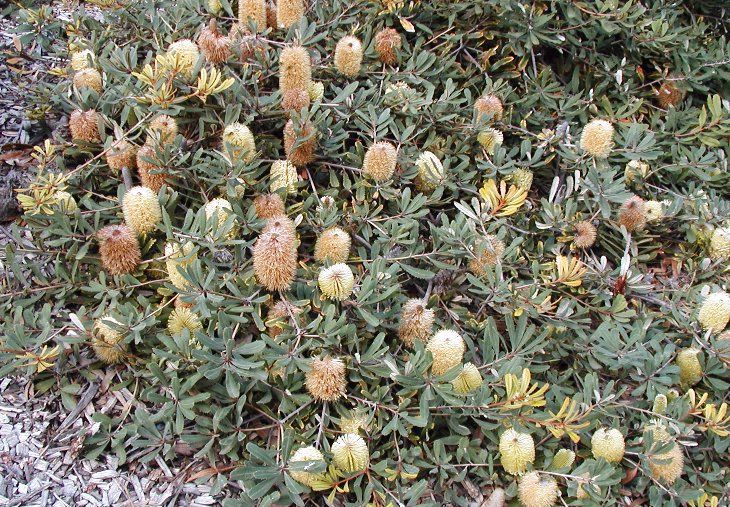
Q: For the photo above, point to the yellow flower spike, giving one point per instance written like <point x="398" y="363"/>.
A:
<point x="570" y="271"/>
<point x="502" y="201"/>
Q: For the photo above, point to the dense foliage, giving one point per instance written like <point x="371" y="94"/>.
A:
<point x="567" y="263"/>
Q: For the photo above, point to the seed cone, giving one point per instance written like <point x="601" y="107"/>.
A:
<point x="283" y="177"/>
<point x="537" y="490"/>
<point x="333" y="245"/>
<point x="489" y="251"/>
<point x="608" y="444"/>
<point x="289" y="12"/>
<point x="178" y="258"/>
<point x="107" y="341"/>
<point x="163" y="130"/>
<point x="121" y="154"/>
<point x="279" y="316"/>
<point x="187" y="54"/>
<point x="720" y="244"/>
<point x="222" y="209"/>
<point x="380" y="160"/>
<point x="632" y="214"/>
<point x="149" y="171"/>
<point x="489" y="108"/>
<point x="430" y="172"/>
<point x="88" y="78"/>
<point x="597" y="138"/>
<point x="325" y="380"/>
<point x="183" y="318"/>
<point x="119" y="249"/>
<point x="714" y="313"/>
<point x="348" y="56"/>
<point x="585" y="234"/>
<point x="295" y="69"/>
<point x="447" y="348"/>
<point x="239" y="142"/>
<point x="300" y="142"/>
<point x="690" y="369"/>
<point x="387" y="44"/>
<point x="336" y="282"/>
<point x="468" y="379"/>
<point x="350" y="453"/>
<point x="216" y="48"/>
<point x="295" y="100"/>
<point x="306" y="454"/>
<point x="275" y="254"/>
<point x="268" y="206"/>
<point x="517" y="450"/>
<point x="669" y="95"/>
<point x="416" y="322"/>
<point x="141" y="209"/>
<point x="82" y="59"/>
<point x="84" y="126"/>
<point x="252" y="11"/>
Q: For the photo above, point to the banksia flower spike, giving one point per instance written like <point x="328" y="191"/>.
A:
<point x="289" y="12"/>
<point x="585" y="234"/>
<point x="714" y="313"/>
<point x="632" y="214"/>
<point x="306" y="454"/>
<point x="222" y="209"/>
<point x="608" y="444"/>
<point x="82" y="59"/>
<point x="252" y="11"/>
<point x="300" y="142"/>
<point x="239" y="142"/>
<point x="283" y="177"/>
<point x="690" y="369"/>
<point x="348" y="56"/>
<point x="669" y="95"/>
<point x="295" y="100"/>
<point x="119" y="249"/>
<point x="597" y="138"/>
<point x="667" y="466"/>
<point x="107" y="341"/>
<point x="489" y="108"/>
<point x="149" y="172"/>
<point x="216" y="48"/>
<point x="563" y="458"/>
<point x="416" y="322"/>
<point x="350" y="453"/>
<point x="141" y="209"/>
<point x="380" y="161"/>
<point x="468" y="379"/>
<point x="720" y="244"/>
<point x="517" y="450"/>
<point x="447" y="348"/>
<point x="537" y="490"/>
<point x="660" y="404"/>
<point x="185" y="53"/>
<point x="275" y="254"/>
<point x="214" y="6"/>
<point x="522" y="178"/>
<point x="178" y="258"/>
<point x="121" y="154"/>
<point x="183" y="318"/>
<point x="490" y="139"/>
<point x="333" y="245"/>
<point x="84" y="126"/>
<point x="387" y="44"/>
<point x="654" y="211"/>
<point x="282" y="312"/>
<point x="489" y="251"/>
<point x="430" y="172"/>
<point x="295" y="69"/>
<point x="315" y="90"/>
<point x="268" y="206"/>
<point x="88" y="78"/>
<point x="163" y="130"/>
<point x="336" y="282"/>
<point x="325" y="379"/>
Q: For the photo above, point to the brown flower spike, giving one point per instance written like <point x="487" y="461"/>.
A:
<point x="300" y="142"/>
<point x="416" y="322"/>
<point x="269" y="206"/>
<point x="275" y="254"/>
<point x="387" y="44"/>
<point x="84" y="126"/>
<point x="119" y="249"/>
<point x="632" y="214"/>
<point x="326" y="379"/>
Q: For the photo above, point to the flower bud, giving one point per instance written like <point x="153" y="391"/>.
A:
<point x="289" y="12"/>
<point x="179" y="258"/>
<point x="416" y="322"/>
<point x="82" y="59"/>
<point x="216" y="48"/>
<point x="669" y="95"/>
<point x="490" y="139"/>
<point x="447" y="348"/>
<point x="239" y="142"/>
<point x="517" y="450"/>
<point x="380" y="160"/>
<point x="597" y="138"/>
<point x="186" y="53"/>
<point x="336" y="282"/>
<point x="714" y="313"/>
<point x="269" y="206"/>
<point x="150" y="172"/>
<point x="348" y="56"/>
<point x="295" y="100"/>
<point x="632" y="214"/>
<point x="537" y="490"/>
<point x="65" y="202"/>
<point x="667" y="466"/>
<point x="468" y="379"/>
<point x="119" y="249"/>
<point x="522" y="178"/>
<point x="489" y="251"/>
<point x="325" y="379"/>
<point x="489" y="108"/>
<point x="121" y="154"/>
<point x="107" y="341"/>
<point x="563" y="458"/>
<point x="222" y="209"/>
<point x="253" y="11"/>
<point x="283" y="176"/>
<point x="141" y="209"/>
<point x="660" y="404"/>
<point x="608" y="444"/>
<point x="163" y="130"/>
<point x="333" y="246"/>
<point x="350" y="453"/>
<point x="295" y="69"/>
<point x="720" y="244"/>
<point x="279" y="315"/>
<point x="183" y="318"/>
<point x="430" y="171"/>
<point x="315" y="90"/>
<point x="585" y="234"/>
<point x="690" y="369"/>
<point x="300" y="142"/>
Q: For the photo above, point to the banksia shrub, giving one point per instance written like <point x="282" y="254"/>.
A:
<point x="183" y="318"/>
<point x="489" y="107"/>
<point x="537" y="490"/>
<point x="380" y="161"/>
<point x="107" y="341"/>
<point x="215" y="47"/>
<point x="608" y="444"/>
<point x="142" y="212"/>
<point x="333" y="245"/>
<point x="690" y="369"/>
<point x="416" y="322"/>
<point x="488" y="252"/>
<point x="150" y="173"/>
<point x="121" y="154"/>
<point x="179" y="257"/>
<point x="300" y="142"/>
<point x="119" y="249"/>
<point x="239" y="142"/>
<point x="185" y="53"/>
<point x="632" y="214"/>
<point x="597" y="138"/>
<point x="336" y="282"/>
<point x="84" y="126"/>
<point x="714" y="313"/>
<point x="275" y="254"/>
<point x="350" y="453"/>
<point x="584" y="234"/>
<point x="467" y="380"/>
<point x="306" y="454"/>
<point x="252" y="11"/>
<point x="348" y="56"/>
<point x="289" y="12"/>
<point x="283" y="177"/>
<point x="517" y="450"/>
<point x="325" y="379"/>
<point x="88" y="78"/>
<point x="387" y="44"/>
<point x="295" y="69"/>
<point x="282" y="312"/>
<point x="447" y="348"/>
<point x="295" y="100"/>
<point x="720" y="244"/>
<point x="269" y="206"/>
